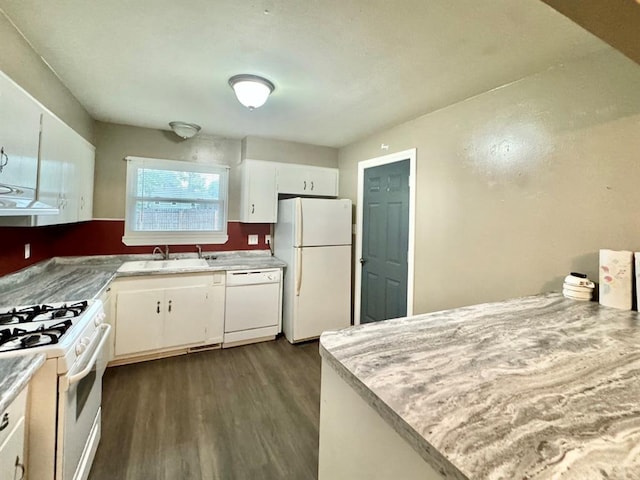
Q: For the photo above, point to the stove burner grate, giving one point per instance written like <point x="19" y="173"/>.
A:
<point x="42" y="312"/>
<point x="20" y="339"/>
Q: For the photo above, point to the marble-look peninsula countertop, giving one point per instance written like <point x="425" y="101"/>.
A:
<point x="533" y="388"/>
<point x="15" y="373"/>
<point x="63" y="279"/>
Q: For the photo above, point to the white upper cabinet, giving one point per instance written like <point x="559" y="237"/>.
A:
<point x="86" y="165"/>
<point x="295" y="179"/>
<point x="42" y="153"/>
<point x="19" y="134"/>
<point x="258" y="196"/>
<point x="262" y="181"/>
<point x="292" y="179"/>
<point x="66" y="173"/>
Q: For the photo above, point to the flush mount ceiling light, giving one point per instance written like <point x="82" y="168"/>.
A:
<point x="251" y="91"/>
<point x="183" y="129"/>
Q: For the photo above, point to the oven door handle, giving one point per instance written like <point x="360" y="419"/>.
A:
<point x="75" y="378"/>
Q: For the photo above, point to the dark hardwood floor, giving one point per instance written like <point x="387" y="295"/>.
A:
<point x="248" y="412"/>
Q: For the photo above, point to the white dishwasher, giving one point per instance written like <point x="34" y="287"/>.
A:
<point x="253" y="306"/>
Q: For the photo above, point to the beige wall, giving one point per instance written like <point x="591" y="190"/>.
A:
<point x="616" y="23"/>
<point x="114" y="142"/>
<point x="521" y="185"/>
<point x="26" y="68"/>
<point x="258" y="148"/>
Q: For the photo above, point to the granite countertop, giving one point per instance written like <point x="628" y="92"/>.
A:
<point x="533" y="388"/>
<point x="63" y="279"/>
<point x="15" y="373"/>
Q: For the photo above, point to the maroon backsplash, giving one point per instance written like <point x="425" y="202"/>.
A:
<point x="100" y="237"/>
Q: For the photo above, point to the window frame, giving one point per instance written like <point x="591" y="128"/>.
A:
<point x="168" y="237"/>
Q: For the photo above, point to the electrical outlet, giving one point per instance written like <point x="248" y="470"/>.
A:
<point x="253" y="239"/>
<point x="27" y="250"/>
<point x="267" y="239"/>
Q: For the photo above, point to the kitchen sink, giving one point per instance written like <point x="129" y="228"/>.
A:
<point x="164" y="265"/>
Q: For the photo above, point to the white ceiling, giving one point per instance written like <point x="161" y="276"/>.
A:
<point x="342" y="68"/>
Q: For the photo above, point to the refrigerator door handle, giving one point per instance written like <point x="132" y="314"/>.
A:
<point x="298" y="271"/>
<point x="298" y="224"/>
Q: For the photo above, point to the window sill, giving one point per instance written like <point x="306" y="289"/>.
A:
<point x="166" y="238"/>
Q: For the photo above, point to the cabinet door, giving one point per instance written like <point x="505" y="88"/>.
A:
<point x="12" y="454"/>
<point x="66" y="173"/>
<point x="53" y="152"/>
<point x="139" y="321"/>
<point x="187" y="310"/>
<point x="85" y="164"/>
<point x="19" y="135"/>
<point x="259" y="195"/>
<point x="323" y="182"/>
<point x="215" y="324"/>
<point x="70" y="187"/>
<point x="307" y="180"/>
<point x="292" y="179"/>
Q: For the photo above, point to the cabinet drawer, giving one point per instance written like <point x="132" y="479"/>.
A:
<point x="12" y="416"/>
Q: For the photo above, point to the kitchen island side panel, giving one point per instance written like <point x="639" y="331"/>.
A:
<point x="356" y="443"/>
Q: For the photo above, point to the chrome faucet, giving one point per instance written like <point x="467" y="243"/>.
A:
<point x="165" y="254"/>
<point x="199" y="249"/>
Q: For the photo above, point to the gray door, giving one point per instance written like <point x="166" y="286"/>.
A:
<point x="385" y="242"/>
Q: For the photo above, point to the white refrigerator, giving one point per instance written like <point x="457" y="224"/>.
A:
<point x="313" y="236"/>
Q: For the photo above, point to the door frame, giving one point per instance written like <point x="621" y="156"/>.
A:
<point x="410" y="155"/>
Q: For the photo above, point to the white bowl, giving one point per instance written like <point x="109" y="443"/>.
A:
<point x="576" y="295"/>
<point x="573" y="288"/>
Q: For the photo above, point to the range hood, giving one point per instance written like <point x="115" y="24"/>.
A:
<point x="20" y="201"/>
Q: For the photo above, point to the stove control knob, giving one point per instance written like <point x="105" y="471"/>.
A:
<point x="80" y="348"/>
<point x="99" y="319"/>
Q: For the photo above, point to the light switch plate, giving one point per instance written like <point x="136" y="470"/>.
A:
<point x="253" y="239"/>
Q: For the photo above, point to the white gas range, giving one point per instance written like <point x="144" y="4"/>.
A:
<point x="66" y="393"/>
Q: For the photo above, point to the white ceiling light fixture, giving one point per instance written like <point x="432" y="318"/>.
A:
<point x="184" y="130"/>
<point x="251" y="91"/>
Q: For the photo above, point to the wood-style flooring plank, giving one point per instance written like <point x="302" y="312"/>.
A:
<point x="245" y="413"/>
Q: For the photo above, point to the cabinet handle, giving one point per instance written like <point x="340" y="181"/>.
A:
<point x="305" y="185"/>
<point x="169" y="306"/>
<point x="21" y="467"/>
<point x="253" y="208"/>
<point x="158" y="308"/>
<point x="311" y="184"/>
<point x="5" y="421"/>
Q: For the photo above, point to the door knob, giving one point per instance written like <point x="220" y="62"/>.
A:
<point x="363" y="261"/>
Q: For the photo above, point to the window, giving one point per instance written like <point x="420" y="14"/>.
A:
<point x="172" y="202"/>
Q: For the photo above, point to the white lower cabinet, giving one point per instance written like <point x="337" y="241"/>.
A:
<point x="12" y="434"/>
<point x="164" y="312"/>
